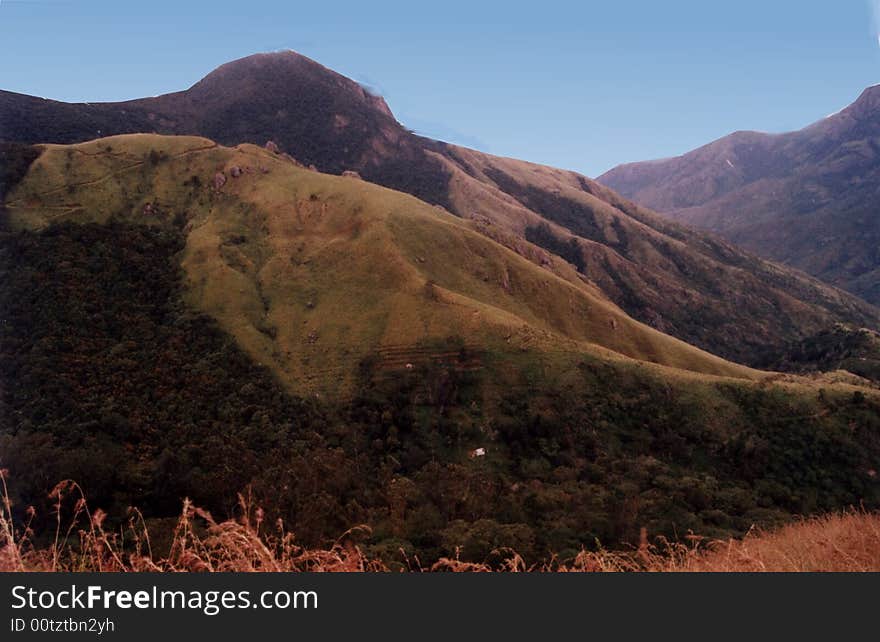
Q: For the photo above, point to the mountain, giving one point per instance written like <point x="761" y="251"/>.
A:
<point x="684" y="283"/>
<point x="807" y="199"/>
<point x="183" y="319"/>
<point x="313" y="273"/>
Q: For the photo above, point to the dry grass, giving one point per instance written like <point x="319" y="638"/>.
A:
<point x="844" y="542"/>
<point x="80" y="543"/>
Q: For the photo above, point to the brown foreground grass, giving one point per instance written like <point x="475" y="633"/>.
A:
<point x="842" y="542"/>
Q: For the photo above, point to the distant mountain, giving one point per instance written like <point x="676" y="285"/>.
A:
<point x="684" y="283"/>
<point x="808" y="199"/>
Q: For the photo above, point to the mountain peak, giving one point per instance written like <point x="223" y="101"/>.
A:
<point x="281" y="72"/>
<point x="867" y="104"/>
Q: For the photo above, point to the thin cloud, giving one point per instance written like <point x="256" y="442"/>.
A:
<point x="875" y="18"/>
<point x="442" y="132"/>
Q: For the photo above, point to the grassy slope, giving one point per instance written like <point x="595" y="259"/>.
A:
<point x="682" y="282"/>
<point x="312" y="273"/>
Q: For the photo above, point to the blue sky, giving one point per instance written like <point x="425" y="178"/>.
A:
<point x="583" y="85"/>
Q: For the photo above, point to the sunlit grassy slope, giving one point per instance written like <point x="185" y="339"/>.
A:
<point x="313" y="273"/>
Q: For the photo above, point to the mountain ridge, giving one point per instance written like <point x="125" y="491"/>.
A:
<point x="687" y="284"/>
<point x="802" y="198"/>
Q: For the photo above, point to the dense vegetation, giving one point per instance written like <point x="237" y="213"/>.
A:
<point x="841" y="347"/>
<point x="109" y="379"/>
<point x="15" y="159"/>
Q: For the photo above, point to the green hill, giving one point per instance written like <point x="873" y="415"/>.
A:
<point x="183" y="319"/>
<point x="312" y="273"/>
